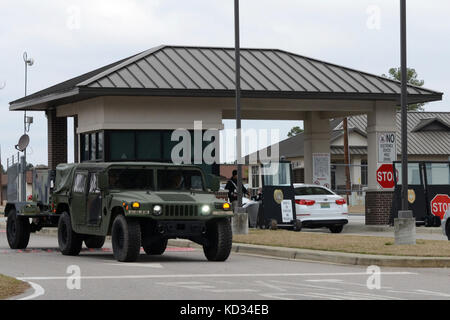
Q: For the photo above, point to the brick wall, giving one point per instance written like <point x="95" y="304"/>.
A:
<point x="378" y="207"/>
<point x="57" y="139"/>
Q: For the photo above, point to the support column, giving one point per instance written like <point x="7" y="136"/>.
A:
<point x="57" y="139"/>
<point x="378" y="200"/>
<point x="76" y="158"/>
<point x="317" y="140"/>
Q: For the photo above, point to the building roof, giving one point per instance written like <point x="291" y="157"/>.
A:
<point x="420" y="142"/>
<point x="209" y="72"/>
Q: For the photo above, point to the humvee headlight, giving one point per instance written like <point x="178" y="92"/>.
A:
<point x="226" y="206"/>
<point x="157" y="210"/>
<point x="206" y="210"/>
<point x="136" y="205"/>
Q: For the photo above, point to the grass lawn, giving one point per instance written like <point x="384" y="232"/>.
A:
<point x="344" y="243"/>
<point x="10" y="287"/>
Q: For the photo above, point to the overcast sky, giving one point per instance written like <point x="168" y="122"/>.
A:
<point x="69" y="38"/>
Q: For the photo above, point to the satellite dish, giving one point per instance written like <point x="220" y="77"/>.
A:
<point x="23" y="143"/>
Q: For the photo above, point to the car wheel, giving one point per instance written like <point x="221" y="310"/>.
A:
<point x="94" y="242"/>
<point x="336" y="229"/>
<point x="155" y="248"/>
<point x="219" y="240"/>
<point x="17" y="230"/>
<point x="70" y="242"/>
<point x="126" y="239"/>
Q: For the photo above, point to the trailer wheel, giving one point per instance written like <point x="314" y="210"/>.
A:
<point x="126" y="239"/>
<point x="219" y="240"/>
<point x="94" y="242"/>
<point x="17" y="230"/>
<point x="447" y="230"/>
<point x="155" y="248"/>
<point x="297" y="226"/>
<point x="69" y="241"/>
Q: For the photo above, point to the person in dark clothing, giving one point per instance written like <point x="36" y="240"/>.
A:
<point x="231" y="186"/>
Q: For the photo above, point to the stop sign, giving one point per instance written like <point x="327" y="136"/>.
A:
<point x="385" y="176"/>
<point x="440" y="204"/>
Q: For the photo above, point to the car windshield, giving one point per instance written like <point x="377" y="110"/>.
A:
<point x="170" y="179"/>
<point x="131" y="179"/>
<point x="311" y="191"/>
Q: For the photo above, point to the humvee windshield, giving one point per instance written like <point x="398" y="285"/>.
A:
<point x="180" y="180"/>
<point x="135" y="179"/>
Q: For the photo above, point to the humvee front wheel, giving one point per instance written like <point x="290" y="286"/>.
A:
<point x="219" y="240"/>
<point x="17" y="230"/>
<point x="126" y="239"/>
<point x="69" y="241"/>
<point x="94" y="242"/>
<point x="155" y="248"/>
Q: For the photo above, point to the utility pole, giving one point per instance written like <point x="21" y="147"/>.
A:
<point x="347" y="160"/>
<point x="404" y="104"/>
<point x="405" y="224"/>
<point x="238" y="101"/>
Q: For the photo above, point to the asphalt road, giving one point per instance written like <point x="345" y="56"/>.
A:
<point x="183" y="273"/>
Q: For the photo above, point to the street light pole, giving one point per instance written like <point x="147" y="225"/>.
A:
<point x="238" y="101"/>
<point x="404" y="105"/>
<point x="28" y="62"/>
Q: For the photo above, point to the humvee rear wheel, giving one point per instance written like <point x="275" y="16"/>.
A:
<point x="219" y="240"/>
<point x="17" y="230"/>
<point x="69" y="241"/>
<point x="94" y="242"/>
<point x="126" y="239"/>
<point x="155" y="248"/>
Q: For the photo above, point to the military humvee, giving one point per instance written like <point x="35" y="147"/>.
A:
<point x="138" y="204"/>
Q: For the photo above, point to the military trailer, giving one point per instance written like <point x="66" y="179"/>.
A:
<point x="138" y="204"/>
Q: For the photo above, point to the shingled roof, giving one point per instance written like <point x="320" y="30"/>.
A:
<point x="423" y="142"/>
<point x="209" y="71"/>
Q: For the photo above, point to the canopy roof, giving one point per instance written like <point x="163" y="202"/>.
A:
<point x="209" y="72"/>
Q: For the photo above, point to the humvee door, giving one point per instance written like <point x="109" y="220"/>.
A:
<point x="79" y="197"/>
<point x="94" y="201"/>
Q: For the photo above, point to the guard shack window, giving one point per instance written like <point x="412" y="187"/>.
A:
<point x="92" y="146"/>
<point x="134" y="145"/>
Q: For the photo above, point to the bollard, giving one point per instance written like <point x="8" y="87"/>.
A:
<point x="405" y="228"/>
<point x="239" y="221"/>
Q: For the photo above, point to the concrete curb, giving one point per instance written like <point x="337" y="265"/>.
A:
<point x="364" y="228"/>
<point x="314" y="255"/>
<point x="329" y="256"/>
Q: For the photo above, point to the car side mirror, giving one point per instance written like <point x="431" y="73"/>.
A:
<point x="214" y="183"/>
<point x="102" y="182"/>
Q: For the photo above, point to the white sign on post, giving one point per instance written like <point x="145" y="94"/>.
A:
<point x="387" y="147"/>
<point x="321" y="169"/>
<point x="286" y="211"/>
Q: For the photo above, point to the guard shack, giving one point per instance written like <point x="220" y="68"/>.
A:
<point x="127" y="111"/>
<point x="428" y="191"/>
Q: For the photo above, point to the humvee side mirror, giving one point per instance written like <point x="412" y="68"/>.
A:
<point x="215" y="183"/>
<point x="102" y="181"/>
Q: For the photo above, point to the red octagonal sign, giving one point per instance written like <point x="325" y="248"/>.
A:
<point x="440" y="204"/>
<point x="385" y="176"/>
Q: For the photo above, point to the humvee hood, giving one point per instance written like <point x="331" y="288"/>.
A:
<point x="162" y="197"/>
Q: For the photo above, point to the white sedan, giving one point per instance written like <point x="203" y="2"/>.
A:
<point x="319" y="207"/>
